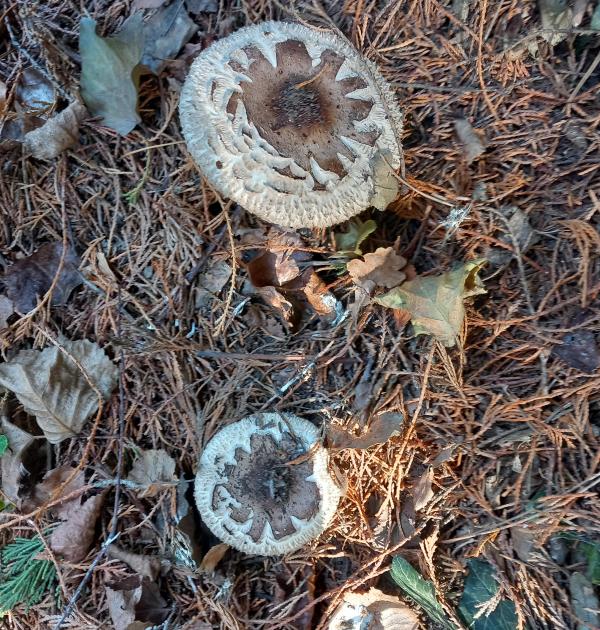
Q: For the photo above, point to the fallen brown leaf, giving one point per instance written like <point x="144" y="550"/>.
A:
<point x="436" y="303"/>
<point x="73" y="538"/>
<point x="380" y="268"/>
<point x="152" y="470"/>
<point x="146" y="566"/>
<point x="472" y="144"/>
<point x="135" y="599"/>
<point x="51" y="387"/>
<point x="381" y="429"/>
<point x="212" y="557"/>
<point x="30" y="278"/>
<point x="57" y="134"/>
<point x="52" y="481"/>
<point x="422" y="492"/>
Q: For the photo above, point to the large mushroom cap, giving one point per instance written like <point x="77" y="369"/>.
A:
<point x="292" y="123"/>
<point x="263" y="485"/>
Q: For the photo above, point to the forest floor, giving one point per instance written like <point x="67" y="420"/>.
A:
<point x="498" y="455"/>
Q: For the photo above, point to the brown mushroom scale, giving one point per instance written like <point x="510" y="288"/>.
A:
<point x="271" y="488"/>
<point x="303" y="111"/>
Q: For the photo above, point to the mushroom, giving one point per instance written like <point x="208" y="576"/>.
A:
<point x="373" y="610"/>
<point x="263" y="484"/>
<point x="292" y="123"/>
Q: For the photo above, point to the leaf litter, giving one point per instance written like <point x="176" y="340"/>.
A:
<point x="436" y="303"/>
<point x="470" y="397"/>
<point x="60" y="387"/>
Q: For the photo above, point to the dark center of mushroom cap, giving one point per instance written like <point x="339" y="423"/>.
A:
<point x="300" y="109"/>
<point x="269" y="488"/>
<point x="297" y="105"/>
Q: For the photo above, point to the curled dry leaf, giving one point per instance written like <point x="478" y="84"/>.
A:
<point x="436" y="303"/>
<point x="57" y="134"/>
<point x="73" y="538"/>
<point x="152" y="470"/>
<point x="472" y="144"/>
<point x="135" y="599"/>
<point x="380" y="430"/>
<point x="29" y="279"/>
<point x="165" y="33"/>
<point x="212" y="557"/>
<point x="110" y="72"/>
<point x="146" y="566"/>
<point x="281" y="283"/>
<point x="380" y="268"/>
<point x="52" y="388"/>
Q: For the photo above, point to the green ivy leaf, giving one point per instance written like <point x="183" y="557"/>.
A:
<point x="110" y="72"/>
<point x="480" y="587"/>
<point x="420" y="590"/>
<point x="349" y="242"/>
<point x="3" y="444"/>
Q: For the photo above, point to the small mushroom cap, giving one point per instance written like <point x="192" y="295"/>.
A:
<point x="292" y="123"/>
<point x="373" y="610"/>
<point x="263" y="484"/>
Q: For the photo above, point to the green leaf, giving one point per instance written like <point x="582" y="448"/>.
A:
<point x="349" y="242"/>
<point x="110" y="72"/>
<point x="435" y="303"/>
<point x="480" y="587"/>
<point x="584" y="601"/>
<point x="420" y="590"/>
<point x="3" y="444"/>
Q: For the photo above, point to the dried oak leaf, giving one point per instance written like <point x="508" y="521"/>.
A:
<point x="436" y="303"/>
<point x="73" y="538"/>
<point x="53" y="389"/>
<point x="381" y="268"/>
<point x="135" y="599"/>
<point x="146" y="566"/>
<point x="381" y="429"/>
<point x="57" y="134"/>
<point x="30" y="278"/>
<point x="110" y="72"/>
<point x="152" y="470"/>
